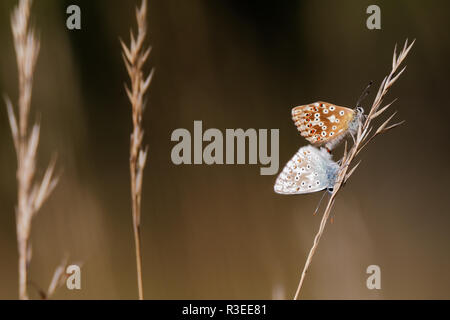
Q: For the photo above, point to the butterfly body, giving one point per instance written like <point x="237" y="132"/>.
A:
<point x="309" y="170"/>
<point x="326" y="124"/>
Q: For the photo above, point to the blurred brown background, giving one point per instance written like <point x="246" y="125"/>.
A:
<point x="220" y="231"/>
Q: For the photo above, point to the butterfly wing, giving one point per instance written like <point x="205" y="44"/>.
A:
<point x="306" y="172"/>
<point x="322" y="122"/>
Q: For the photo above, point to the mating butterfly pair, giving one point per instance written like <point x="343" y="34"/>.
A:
<point x="323" y="125"/>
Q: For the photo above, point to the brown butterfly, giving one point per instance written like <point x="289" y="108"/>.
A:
<point x="326" y="124"/>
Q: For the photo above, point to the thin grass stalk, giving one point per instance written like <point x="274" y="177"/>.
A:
<point x="134" y="58"/>
<point x="363" y="137"/>
<point x="31" y="192"/>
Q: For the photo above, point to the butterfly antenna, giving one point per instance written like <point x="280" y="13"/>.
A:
<point x="364" y="94"/>
<point x="318" y="206"/>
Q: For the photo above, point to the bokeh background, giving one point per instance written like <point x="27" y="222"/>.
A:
<point x="220" y="232"/>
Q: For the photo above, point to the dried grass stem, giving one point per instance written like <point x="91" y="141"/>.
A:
<point x="363" y="137"/>
<point x="31" y="192"/>
<point x="135" y="57"/>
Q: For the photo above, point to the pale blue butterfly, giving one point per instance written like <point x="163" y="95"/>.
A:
<point x="309" y="170"/>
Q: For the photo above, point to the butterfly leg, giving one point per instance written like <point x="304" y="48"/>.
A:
<point x="353" y="137"/>
<point x="318" y="206"/>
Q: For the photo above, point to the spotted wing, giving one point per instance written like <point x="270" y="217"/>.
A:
<point x="322" y="122"/>
<point x="306" y="172"/>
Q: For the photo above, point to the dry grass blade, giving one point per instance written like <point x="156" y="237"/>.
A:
<point x="347" y="176"/>
<point x="383" y="126"/>
<point x="46" y="186"/>
<point x="12" y="123"/>
<point x="345" y="151"/>
<point x="382" y="109"/>
<point x="395" y="125"/>
<point x="30" y="197"/>
<point x="134" y="58"/>
<point x="392" y="81"/>
<point x="364" y="132"/>
<point x="58" y="279"/>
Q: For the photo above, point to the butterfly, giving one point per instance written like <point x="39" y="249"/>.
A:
<point x="326" y="124"/>
<point x="309" y="170"/>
